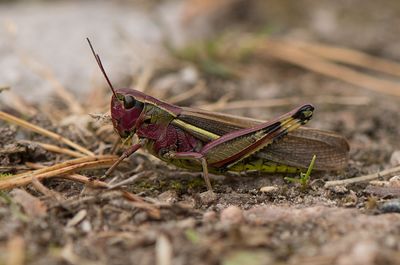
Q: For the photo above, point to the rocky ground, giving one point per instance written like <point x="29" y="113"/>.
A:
<point x="164" y="215"/>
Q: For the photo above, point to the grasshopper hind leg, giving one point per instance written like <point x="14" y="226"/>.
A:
<point x="196" y="157"/>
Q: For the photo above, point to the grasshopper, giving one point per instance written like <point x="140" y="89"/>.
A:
<point x="206" y="141"/>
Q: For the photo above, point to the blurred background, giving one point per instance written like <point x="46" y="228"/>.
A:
<point x="39" y="37"/>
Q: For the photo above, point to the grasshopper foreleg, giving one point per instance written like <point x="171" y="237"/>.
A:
<point x="193" y="156"/>
<point x="124" y="155"/>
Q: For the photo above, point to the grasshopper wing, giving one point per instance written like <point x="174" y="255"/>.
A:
<point x="296" y="149"/>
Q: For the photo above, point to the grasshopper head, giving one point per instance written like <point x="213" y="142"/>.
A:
<point x="126" y="109"/>
<point x="126" y="104"/>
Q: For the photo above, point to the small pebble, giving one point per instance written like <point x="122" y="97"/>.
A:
<point x="207" y="197"/>
<point x="168" y="196"/>
<point x="189" y="75"/>
<point x="269" y="189"/>
<point x="395" y="158"/>
<point x="392" y="206"/>
<point x="79" y="217"/>
<point x="351" y="199"/>
<point x="232" y="215"/>
<point x="379" y="183"/>
<point x="394" y="182"/>
<point x="86" y="226"/>
<point x="339" y="189"/>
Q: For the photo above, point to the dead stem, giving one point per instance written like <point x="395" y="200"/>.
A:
<point x="66" y="167"/>
<point x="55" y="149"/>
<point x="45" y="191"/>
<point x="27" y="125"/>
<point x="131" y="179"/>
<point x="11" y="168"/>
<point x="19" y="104"/>
<point x="384" y="174"/>
<point x="16" y="250"/>
<point x="47" y="74"/>
<point x="85" y="180"/>
<point x="294" y="55"/>
<point x="200" y="86"/>
<point x="144" y="78"/>
<point x="349" y="56"/>
<point x="136" y="200"/>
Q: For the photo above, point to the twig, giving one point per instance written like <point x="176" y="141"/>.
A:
<point x="349" y="56"/>
<point x="94" y="183"/>
<point x="289" y="53"/>
<point x="46" y="73"/>
<point x="222" y="102"/>
<point x="130" y="180"/>
<point x="187" y="94"/>
<point x="136" y="201"/>
<point x="142" y="82"/>
<point x="55" y="149"/>
<point x="384" y="173"/>
<point x="19" y="104"/>
<point x="57" y="170"/>
<point x="16" y="250"/>
<point x="45" y="191"/>
<point x="12" y="168"/>
<point x="37" y="129"/>
<point x="163" y="250"/>
<point x="85" y="180"/>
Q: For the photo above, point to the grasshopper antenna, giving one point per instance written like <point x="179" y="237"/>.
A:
<point x="97" y="57"/>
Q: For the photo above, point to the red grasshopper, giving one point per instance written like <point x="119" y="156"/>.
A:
<point x="207" y="141"/>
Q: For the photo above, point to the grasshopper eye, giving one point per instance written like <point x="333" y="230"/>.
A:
<point x="129" y="102"/>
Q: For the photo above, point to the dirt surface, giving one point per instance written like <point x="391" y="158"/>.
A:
<point x="250" y="218"/>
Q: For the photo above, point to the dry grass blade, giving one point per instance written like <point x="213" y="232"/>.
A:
<point x="4" y="88"/>
<point x="131" y="179"/>
<point x="294" y="55"/>
<point x="85" y="180"/>
<point x="94" y="183"/>
<point x="139" y="203"/>
<point x="268" y="103"/>
<point x="187" y="94"/>
<point x="349" y="56"/>
<point x="55" y="149"/>
<point x="144" y="78"/>
<point x="164" y="251"/>
<point x="67" y="253"/>
<point x="67" y="167"/>
<point x="384" y="173"/>
<point x="47" y="73"/>
<point x="45" y="191"/>
<point x="27" y="125"/>
<point x="16" y="250"/>
<point x="16" y="102"/>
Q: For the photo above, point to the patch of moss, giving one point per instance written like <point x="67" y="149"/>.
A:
<point x="196" y="183"/>
<point x="192" y="236"/>
<point x="5" y="175"/>
<point x="177" y="185"/>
